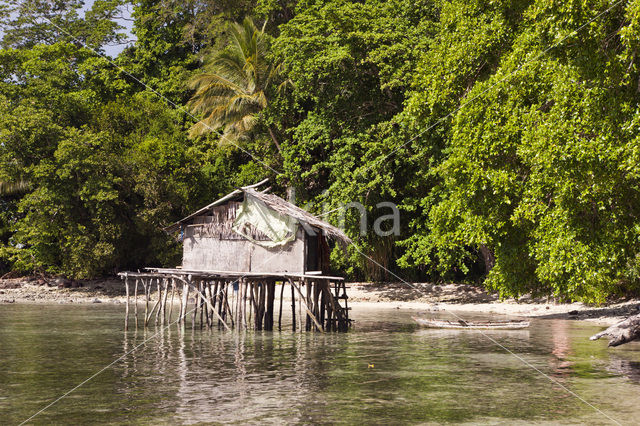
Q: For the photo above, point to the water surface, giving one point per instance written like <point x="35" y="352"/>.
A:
<point x="386" y="370"/>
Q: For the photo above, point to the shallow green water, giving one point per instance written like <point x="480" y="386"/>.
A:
<point x="418" y="375"/>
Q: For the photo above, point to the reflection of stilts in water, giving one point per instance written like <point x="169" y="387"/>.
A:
<point x="231" y="377"/>
<point x="561" y="348"/>
<point x="241" y="369"/>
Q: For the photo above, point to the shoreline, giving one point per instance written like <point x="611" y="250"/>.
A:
<point x="424" y="298"/>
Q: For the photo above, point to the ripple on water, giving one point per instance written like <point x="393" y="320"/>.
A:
<point x="386" y="370"/>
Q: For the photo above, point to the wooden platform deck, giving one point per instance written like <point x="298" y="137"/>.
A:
<point x="237" y="300"/>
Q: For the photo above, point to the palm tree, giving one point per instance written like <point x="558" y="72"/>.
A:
<point x="232" y="91"/>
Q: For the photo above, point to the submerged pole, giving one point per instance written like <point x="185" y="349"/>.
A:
<point x="135" y="302"/>
<point x="281" y="302"/>
<point x="126" y="315"/>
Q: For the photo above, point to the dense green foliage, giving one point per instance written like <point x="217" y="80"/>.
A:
<point x="505" y="131"/>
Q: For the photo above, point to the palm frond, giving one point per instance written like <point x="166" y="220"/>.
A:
<point x="231" y="94"/>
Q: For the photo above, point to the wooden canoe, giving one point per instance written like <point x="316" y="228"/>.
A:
<point x="472" y="325"/>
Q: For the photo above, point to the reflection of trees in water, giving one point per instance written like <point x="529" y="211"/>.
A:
<point x="561" y="349"/>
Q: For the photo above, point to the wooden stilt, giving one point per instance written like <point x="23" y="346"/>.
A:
<point x="159" y="301"/>
<point x="245" y="299"/>
<point x="252" y="305"/>
<point x="293" y="305"/>
<point x="300" y="307"/>
<point x="146" y="286"/>
<point x="165" y="285"/>
<point x="323" y="304"/>
<point x="255" y="298"/>
<point x="211" y="308"/>
<point x="268" y="318"/>
<point x="228" y="312"/>
<point x="189" y="284"/>
<point x="196" y="304"/>
<point x="319" y="308"/>
<point x="281" y="303"/>
<point x="135" y="302"/>
<point x="346" y="305"/>
<point x="313" y="318"/>
<point x="307" y="320"/>
<point x="261" y="304"/>
<point x="173" y="292"/>
<point x="215" y="300"/>
<point x="236" y="302"/>
<point x="184" y="300"/>
<point x="126" y="314"/>
<point x="205" y="307"/>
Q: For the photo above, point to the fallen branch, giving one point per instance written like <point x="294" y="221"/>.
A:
<point x="623" y="332"/>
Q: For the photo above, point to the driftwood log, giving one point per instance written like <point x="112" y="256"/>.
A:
<point x="623" y="332"/>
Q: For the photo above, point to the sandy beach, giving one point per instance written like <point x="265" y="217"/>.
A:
<point x="422" y="298"/>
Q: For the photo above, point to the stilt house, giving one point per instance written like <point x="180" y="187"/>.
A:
<point x="236" y="252"/>
<point x="252" y="231"/>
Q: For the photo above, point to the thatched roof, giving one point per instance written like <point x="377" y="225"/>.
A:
<point x="273" y="202"/>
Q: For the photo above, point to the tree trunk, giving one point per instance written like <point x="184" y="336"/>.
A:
<point x="623" y="332"/>
<point x="488" y="258"/>
<point x="275" y="140"/>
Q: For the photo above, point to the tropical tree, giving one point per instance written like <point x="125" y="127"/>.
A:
<point x="232" y="91"/>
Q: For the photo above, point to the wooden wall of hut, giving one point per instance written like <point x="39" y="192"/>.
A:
<point x="240" y="303"/>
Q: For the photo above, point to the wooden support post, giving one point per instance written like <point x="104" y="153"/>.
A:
<point x="135" y="302"/>
<point x="211" y="308"/>
<point x="338" y="322"/>
<point x="281" y="303"/>
<point x="173" y="292"/>
<point x="236" y="303"/>
<point x="317" y="310"/>
<point x="215" y="300"/>
<point x="188" y="284"/>
<point x="346" y="305"/>
<point x="181" y="307"/>
<point x="255" y="296"/>
<point x="307" y="321"/>
<point x="146" y="299"/>
<point x="323" y="304"/>
<point x="293" y="304"/>
<point x="313" y="318"/>
<point x="205" y="307"/>
<point x="159" y="301"/>
<point x="165" y="285"/>
<point x="300" y="306"/>
<point x="220" y="297"/>
<point x="196" y="302"/>
<point x="228" y="311"/>
<point x="126" y="313"/>
<point x="263" y="298"/>
<point x="147" y="318"/>
<point x="252" y="304"/>
<point x="328" y="299"/>
<point x="271" y="290"/>
<point x="184" y="300"/>
<point x="245" y="299"/>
